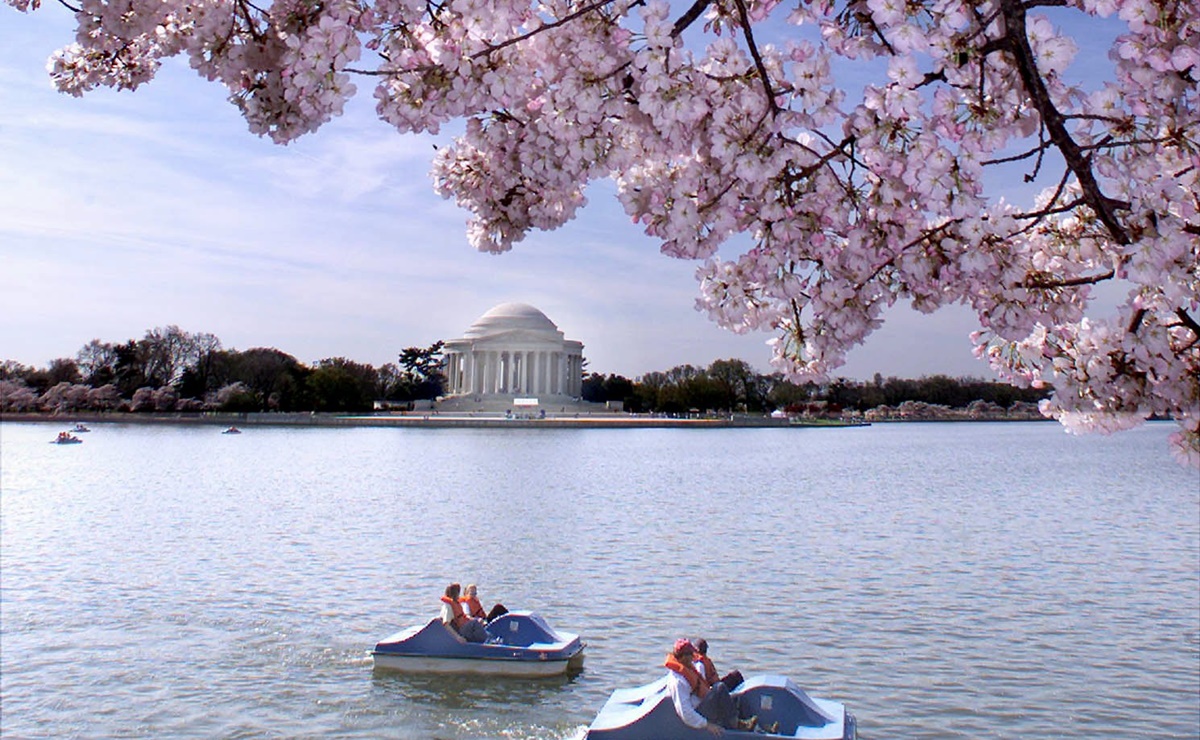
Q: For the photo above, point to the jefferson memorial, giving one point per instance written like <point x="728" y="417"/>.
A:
<point x="513" y="350"/>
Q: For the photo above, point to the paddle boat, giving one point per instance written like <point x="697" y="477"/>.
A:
<point x="782" y="709"/>
<point x="519" y="644"/>
<point x="80" y="427"/>
<point x="232" y="430"/>
<point x="66" y="438"/>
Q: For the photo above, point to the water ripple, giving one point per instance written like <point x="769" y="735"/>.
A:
<point x="982" y="581"/>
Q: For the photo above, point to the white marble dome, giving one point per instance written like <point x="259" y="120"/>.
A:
<point x="508" y="317"/>
<point x="513" y="350"/>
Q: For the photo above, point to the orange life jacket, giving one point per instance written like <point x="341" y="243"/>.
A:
<point x="694" y="679"/>
<point x="710" y="670"/>
<point x="457" y="610"/>
<point x="474" y="608"/>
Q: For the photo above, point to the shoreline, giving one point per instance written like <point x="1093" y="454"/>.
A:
<point x="431" y="420"/>
<point x="482" y="420"/>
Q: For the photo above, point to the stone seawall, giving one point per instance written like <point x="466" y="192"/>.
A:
<point x="429" y="420"/>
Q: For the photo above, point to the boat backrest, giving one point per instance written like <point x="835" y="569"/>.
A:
<point x="776" y="699"/>
<point x="638" y="714"/>
<point x="522" y="629"/>
<point x="434" y="637"/>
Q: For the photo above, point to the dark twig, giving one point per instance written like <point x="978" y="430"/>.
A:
<point x="1037" y="281"/>
<point x="689" y="17"/>
<point x="561" y="21"/>
<point x="1017" y="157"/>
<point x="748" y="32"/>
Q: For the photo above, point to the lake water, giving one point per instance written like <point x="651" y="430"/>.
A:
<point x="944" y="580"/>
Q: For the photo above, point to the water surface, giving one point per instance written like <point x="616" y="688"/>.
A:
<point x="944" y="580"/>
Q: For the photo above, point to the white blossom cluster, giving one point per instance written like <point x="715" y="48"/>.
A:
<point x="851" y="201"/>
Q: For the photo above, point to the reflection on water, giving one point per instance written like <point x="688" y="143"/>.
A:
<point x="474" y="706"/>
<point x="452" y="692"/>
<point x="973" y="580"/>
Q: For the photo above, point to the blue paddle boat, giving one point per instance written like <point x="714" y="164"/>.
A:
<point x="519" y="644"/>
<point x="783" y="710"/>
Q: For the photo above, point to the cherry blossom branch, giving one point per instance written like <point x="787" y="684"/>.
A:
<point x="1017" y="44"/>
<point x="1018" y="157"/>
<point x="243" y="9"/>
<point x="822" y="159"/>
<point x="925" y="237"/>
<point x="689" y="17"/>
<point x="1045" y="281"/>
<point x="1109" y="143"/>
<point x="548" y="26"/>
<point x="748" y="32"/>
<point x="491" y="48"/>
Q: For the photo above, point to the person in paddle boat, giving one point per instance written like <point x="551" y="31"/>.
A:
<point x="697" y="704"/>
<point x="453" y="616"/>
<point x="471" y="605"/>
<point x="708" y="671"/>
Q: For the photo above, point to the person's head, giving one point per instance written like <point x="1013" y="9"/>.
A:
<point x="701" y="645"/>
<point x="453" y="590"/>
<point x="683" y="650"/>
<point x="470" y="590"/>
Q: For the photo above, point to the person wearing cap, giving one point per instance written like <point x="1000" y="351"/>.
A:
<point x="700" y="706"/>
<point x="708" y="671"/>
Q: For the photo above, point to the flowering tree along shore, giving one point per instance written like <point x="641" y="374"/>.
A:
<point x="173" y="371"/>
<point x="844" y="200"/>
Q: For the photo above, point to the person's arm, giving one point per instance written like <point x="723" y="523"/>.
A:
<point x="681" y="697"/>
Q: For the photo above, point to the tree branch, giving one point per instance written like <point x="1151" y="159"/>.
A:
<point x="503" y="44"/>
<point x="748" y="32"/>
<point x="1017" y="44"/>
<point x="689" y="17"/>
<point x="546" y="27"/>
<point x="1040" y="281"/>
<point x="1017" y="157"/>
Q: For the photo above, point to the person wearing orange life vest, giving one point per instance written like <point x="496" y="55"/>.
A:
<point x="700" y="706"/>
<point x="705" y="666"/>
<point x="470" y="602"/>
<point x="471" y="629"/>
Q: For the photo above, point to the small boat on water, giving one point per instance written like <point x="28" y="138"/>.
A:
<point x="232" y="430"/>
<point x="782" y="708"/>
<point x="80" y="427"/>
<point x="519" y="644"/>
<point x="66" y="438"/>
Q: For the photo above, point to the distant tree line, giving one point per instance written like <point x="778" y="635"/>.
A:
<point x="173" y="370"/>
<point x="733" y="386"/>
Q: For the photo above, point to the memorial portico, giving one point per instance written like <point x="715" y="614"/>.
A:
<point x="513" y="350"/>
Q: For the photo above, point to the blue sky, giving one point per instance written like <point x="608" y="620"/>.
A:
<point x="120" y="212"/>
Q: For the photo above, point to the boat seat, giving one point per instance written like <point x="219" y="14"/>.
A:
<point x="776" y="699"/>
<point x="450" y="631"/>
<point x="522" y="629"/>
